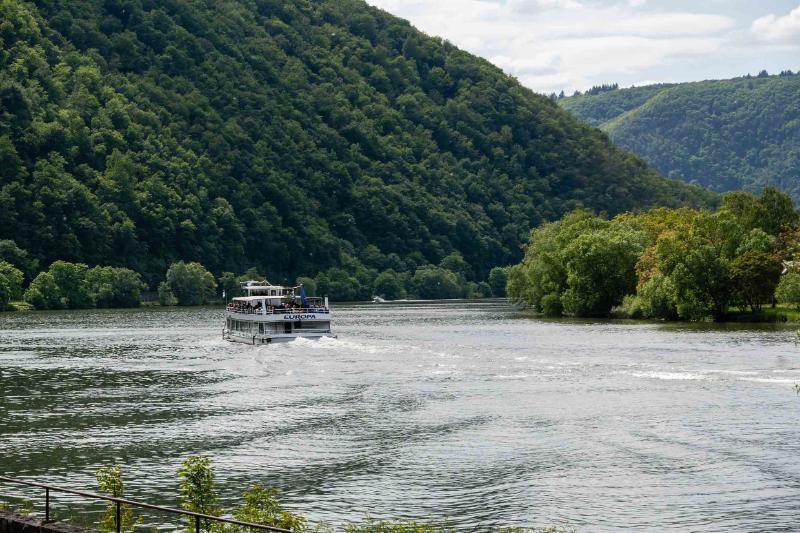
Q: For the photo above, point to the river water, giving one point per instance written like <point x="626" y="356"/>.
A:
<point x="460" y="411"/>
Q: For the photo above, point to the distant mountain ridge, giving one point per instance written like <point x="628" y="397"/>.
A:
<point x="290" y="136"/>
<point x="742" y="133"/>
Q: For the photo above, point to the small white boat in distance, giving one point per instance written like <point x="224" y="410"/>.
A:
<point x="378" y="300"/>
<point x="272" y="313"/>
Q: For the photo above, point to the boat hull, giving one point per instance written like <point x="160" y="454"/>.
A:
<point x="257" y="340"/>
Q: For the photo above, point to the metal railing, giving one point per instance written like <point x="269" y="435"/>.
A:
<point x="276" y="310"/>
<point x="122" y="501"/>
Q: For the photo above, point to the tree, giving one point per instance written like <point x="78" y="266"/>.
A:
<point x="229" y="285"/>
<point x="455" y="263"/>
<point x="309" y="284"/>
<point x="5" y="293"/>
<point x="13" y="278"/>
<point x="261" y="506"/>
<point x="788" y="289"/>
<point x="601" y="270"/>
<point x="43" y="293"/>
<point x="755" y="275"/>
<point x="191" y="283"/>
<point x="197" y="492"/>
<point x="72" y="284"/>
<point x="703" y="285"/>
<point x="115" y="287"/>
<point x="110" y="480"/>
<point x="498" y="279"/>
<point x="19" y="258"/>
<point x="389" y="285"/>
<point x="339" y="285"/>
<point x="165" y="296"/>
<point x="435" y="283"/>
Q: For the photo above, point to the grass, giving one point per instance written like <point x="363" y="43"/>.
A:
<point x="779" y="313"/>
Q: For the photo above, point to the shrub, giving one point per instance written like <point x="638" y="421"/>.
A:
<point x="165" y="296"/>
<point x="551" y="305"/>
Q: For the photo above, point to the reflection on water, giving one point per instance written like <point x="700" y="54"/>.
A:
<point x="464" y="411"/>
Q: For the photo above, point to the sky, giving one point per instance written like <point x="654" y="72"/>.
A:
<point x="554" y="45"/>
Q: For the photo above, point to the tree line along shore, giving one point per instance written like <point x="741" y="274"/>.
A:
<point x="734" y="263"/>
<point x="67" y="285"/>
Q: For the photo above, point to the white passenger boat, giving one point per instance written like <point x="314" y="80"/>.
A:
<point x="272" y="313"/>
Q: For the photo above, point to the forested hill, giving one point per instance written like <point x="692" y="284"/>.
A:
<point x="293" y="136"/>
<point x="742" y="133"/>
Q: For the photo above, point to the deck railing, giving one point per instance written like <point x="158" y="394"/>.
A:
<point x="276" y="310"/>
<point x="122" y="501"/>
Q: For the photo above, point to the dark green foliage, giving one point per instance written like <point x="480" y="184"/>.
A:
<point x="12" y="278"/>
<point x="43" y="293"/>
<point x="755" y="275"/>
<point x="498" y="278"/>
<point x="64" y="285"/>
<point x="72" y="284"/>
<point x="229" y="284"/>
<point x="550" y="305"/>
<point x="389" y="284"/>
<point x="19" y="258"/>
<point x="741" y="133"/>
<point x="309" y="285"/>
<point x="190" y="283"/>
<point x="435" y="283"/>
<point x="165" y="295"/>
<point x="294" y="136"/>
<point x="339" y="285"/>
<point x="5" y="292"/>
<point x="115" y="287"/>
<point x="601" y="270"/>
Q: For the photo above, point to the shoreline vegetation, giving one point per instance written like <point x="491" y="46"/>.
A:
<point x="260" y="505"/>
<point x="737" y="263"/>
<point x="66" y="285"/>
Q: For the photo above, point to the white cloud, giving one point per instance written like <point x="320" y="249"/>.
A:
<point x="773" y="28"/>
<point x="567" y="44"/>
<point x="550" y="45"/>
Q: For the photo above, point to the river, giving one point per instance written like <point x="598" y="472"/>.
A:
<point x="468" y="412"/>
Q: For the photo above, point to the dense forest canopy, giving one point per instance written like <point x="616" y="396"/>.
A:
<point x="293" y="137"/>
<point x="742" y="133"/>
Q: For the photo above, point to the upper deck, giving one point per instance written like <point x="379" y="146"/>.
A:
<point x="266" y="302"/>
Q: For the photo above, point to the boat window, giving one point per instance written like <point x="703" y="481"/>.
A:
<point x="273" y="292"/>
<point x="261" y="328"/>
<point x="287" y="327"/>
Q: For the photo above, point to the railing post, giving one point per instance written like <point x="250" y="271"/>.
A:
<point x="119" y="525"/>
<point x="197" y="524"/>
<point x="47" y="505"/>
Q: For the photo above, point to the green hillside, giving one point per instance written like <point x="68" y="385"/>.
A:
<point x="742" y="133"/>
<point x="289" y="136"/>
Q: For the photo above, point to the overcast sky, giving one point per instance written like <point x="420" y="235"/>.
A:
<point x="550" y="45"/>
